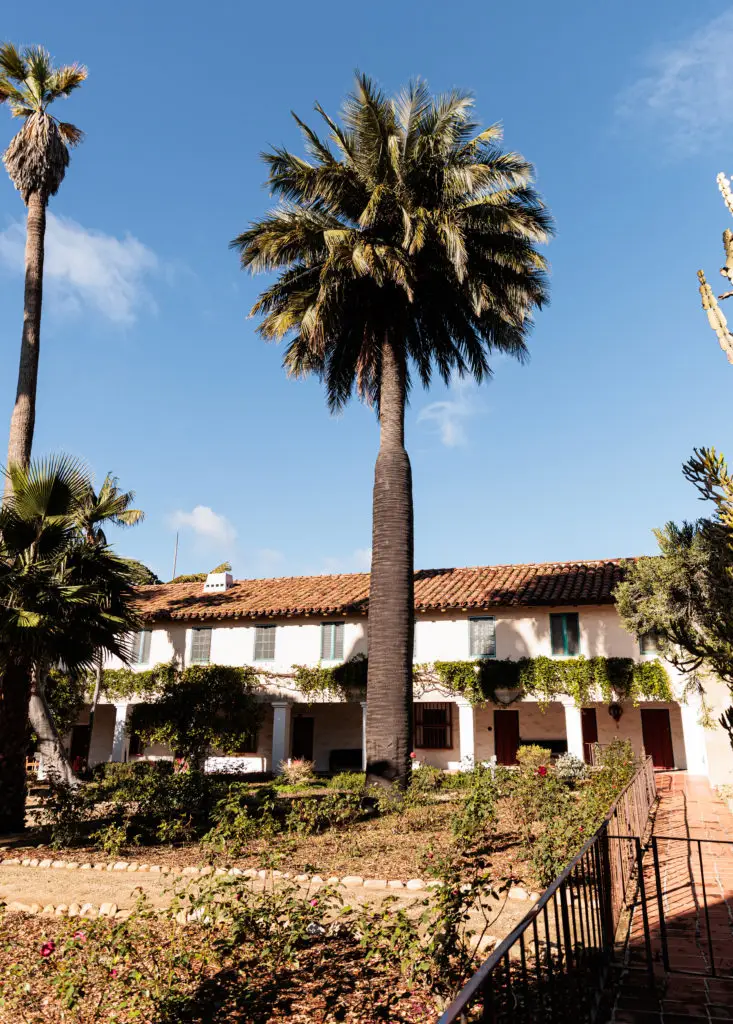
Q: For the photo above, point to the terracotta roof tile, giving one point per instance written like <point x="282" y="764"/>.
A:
<point x="471" y="589"/>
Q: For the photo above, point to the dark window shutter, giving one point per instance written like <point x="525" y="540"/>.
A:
<point x="557" y="634"/>
<point x="572" y="628"/>
<point x="145" y="637"/>
<point x="338" y="641"/>
<point x="136" y="643"/>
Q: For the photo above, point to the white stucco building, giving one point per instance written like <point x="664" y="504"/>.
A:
<point x="506" y="612"/>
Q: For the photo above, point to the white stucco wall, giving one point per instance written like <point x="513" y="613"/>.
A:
<point x="520" y="632"/>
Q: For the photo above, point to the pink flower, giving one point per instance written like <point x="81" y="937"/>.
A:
<point x="412" y="754"/>
<point x="542" y="770"/>
<point x="113" y="973"/>
<point x="314" y="902"/>
<point x="580" y="828"/>
<point x="48" y="947"/>
<point x="80" y="936"/>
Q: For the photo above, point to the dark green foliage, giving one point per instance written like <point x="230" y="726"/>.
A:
<point x="583" y="679"/>
<point x="347" y="680"/>
<point x="204" y="706"/>
<point x="66" y="695"/>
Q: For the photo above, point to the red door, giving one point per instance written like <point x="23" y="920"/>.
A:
<point x="589" y="723"/>
<point x="657" y="736"/>
<point x="506" y="736"/>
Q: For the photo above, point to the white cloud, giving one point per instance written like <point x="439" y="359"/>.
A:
<point x="206" y="524"/>
<point x="85" y="268"/>
<point x="360" y="560"/>
<point x="448" y="417"/>
<point x="687" y="89"/>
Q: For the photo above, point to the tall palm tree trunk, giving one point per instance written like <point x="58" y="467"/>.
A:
<point x="391" y="593"/>
<point x="14" y="694"/>
<point x="55" y="759"/>
<point x="23" y="419"/>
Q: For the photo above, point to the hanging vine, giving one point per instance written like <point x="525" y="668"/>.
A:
<point x="583" y="679"/>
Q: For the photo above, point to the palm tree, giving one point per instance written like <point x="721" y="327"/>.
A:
<point x="36" y="161"/>
<point x="405" y="244"/>
<point x="61" y="601"/>
<point x="110" y="505"/>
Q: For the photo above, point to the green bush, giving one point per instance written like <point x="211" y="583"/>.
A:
<point x="354" y="782"/>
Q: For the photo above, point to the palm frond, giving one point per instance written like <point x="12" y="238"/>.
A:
<point x="12" y="63"/>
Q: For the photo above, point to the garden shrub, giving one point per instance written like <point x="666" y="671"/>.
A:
<point x="425" y="780"/>
<point x="355" y="782"/>
<point x="570" y="768"/>
<point x="532" y="756"/>
<point x="297" y="772"/>
<point x="477" y="814"/>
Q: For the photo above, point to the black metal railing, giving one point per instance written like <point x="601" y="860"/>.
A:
<point x="555" y="962"/>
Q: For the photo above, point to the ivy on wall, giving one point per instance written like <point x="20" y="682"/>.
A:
<point x="545" y="678"/>
<point x="346" y="680"/>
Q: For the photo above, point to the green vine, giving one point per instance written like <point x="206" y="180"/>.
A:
<point x="547" y="678"/>
<point x="123" y="683"/>
<point x="345" y="680"/>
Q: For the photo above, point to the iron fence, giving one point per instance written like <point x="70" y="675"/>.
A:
<point x="556" y="960"/>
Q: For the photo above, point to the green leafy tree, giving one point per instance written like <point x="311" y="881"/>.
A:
<point x="685" y="594"/>
<point x="61" y="601"/>
<point x="36" y="161"/>
<point x="200" y="577"/>
<point x="202" y="707"/>
<point x="403" y="245"/>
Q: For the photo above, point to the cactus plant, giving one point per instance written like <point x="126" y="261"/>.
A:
<point x="714" y="313"/>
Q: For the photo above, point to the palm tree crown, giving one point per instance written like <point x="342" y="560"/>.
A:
<point x="410" y="226"/>
<point x="110" y="505"/>
<point x="38" y="155"/>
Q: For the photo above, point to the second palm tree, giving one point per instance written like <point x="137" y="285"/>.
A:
<point x="406" y="243"/>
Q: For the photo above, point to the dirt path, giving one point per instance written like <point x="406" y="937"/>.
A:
<point x="44" y="886"/>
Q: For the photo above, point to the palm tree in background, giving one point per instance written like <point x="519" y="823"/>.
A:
<point x="61" y="601"/>
<point x="110" y="505"/>
<point x="36" y="161"/>
<point x="404" y="245"/>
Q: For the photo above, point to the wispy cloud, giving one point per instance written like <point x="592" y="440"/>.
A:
<point x="269" y="561"/>
<point x="88" y="269"/>
<point x="360" y="560"/>
<point x="686" y="89"/>
<point x="207" y="526"/>
<point x="448" y="417"/>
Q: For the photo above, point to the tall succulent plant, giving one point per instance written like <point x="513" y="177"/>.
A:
<point x="715" y="315"/>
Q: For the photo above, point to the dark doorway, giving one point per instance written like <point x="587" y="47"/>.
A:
<point x="589" y="724"/>
<point x="657" y="736"/>
<point x="506" y="736"/>
<point x="79" y="744"/>
<point x="302" y="747"/>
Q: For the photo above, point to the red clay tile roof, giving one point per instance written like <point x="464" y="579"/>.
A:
<point x="471" y="589"/>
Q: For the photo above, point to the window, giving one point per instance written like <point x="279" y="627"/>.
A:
<point x="265" y="643"/>
<point x="249" y="742"/>
<point x="141" y="647"/>
<point x="200" y="646"/>
<point x="565" y="633"/>
<point x="649" y="642"/>
<point x="332" y="641"/>
<point x="433" y="726"/>
<point x="482" y="637"/>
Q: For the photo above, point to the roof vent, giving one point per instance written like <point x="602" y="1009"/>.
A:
<point x="218" y="582"/>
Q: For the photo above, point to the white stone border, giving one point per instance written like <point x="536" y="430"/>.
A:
<point x="516" y="892"/>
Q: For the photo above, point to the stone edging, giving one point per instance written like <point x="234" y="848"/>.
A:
<point x="516" y="892"/>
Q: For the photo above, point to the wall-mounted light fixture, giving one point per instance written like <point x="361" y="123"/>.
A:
<point x="615" y="711"/>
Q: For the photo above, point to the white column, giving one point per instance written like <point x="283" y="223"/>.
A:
<point x="119" y="741"/>
<point x="694" y="737"/>
<point x="574" y="730"/>
<point x="280" y="733"/>
<point x="466" y="738"/>
<point x="363" y="736"/>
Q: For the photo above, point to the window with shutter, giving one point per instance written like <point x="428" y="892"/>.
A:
<point x="648" y="642"/>
<point x="332" y="641"/>
<point x="482" y="637"/>
<point x="433" y="726"/>
<point x="141" y="647"/>
<point x="565" y="633"/>
<point x="200" y="646"/>
<point x="265" y="643"/>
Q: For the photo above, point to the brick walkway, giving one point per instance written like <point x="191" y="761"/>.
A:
<point x="697" y="887"/>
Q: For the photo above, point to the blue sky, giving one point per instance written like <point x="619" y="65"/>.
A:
<point x="149" y="367"/>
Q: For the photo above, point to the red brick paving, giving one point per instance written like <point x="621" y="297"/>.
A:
<point x="689" y="810"/>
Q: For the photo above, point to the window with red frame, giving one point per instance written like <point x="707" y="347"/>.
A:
<point x="433" y="726"/>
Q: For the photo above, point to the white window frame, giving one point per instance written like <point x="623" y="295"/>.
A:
<point x="195" y="629"/>
<point x="334" y="626"/>
<point x="264" y="625"/>
<point x="138" y="659"/>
